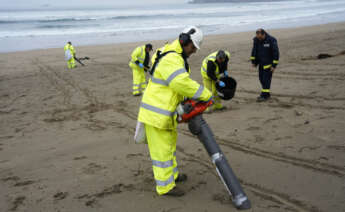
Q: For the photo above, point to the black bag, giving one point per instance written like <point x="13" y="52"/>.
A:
<point x="227" y="92"/>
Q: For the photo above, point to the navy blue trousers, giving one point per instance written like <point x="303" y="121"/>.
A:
<point x="265" y="77"/>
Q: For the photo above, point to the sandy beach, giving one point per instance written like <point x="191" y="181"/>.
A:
<point x="66" y="136"/>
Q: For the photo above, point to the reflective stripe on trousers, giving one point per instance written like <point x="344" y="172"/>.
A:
<point x="265" y="77"/>
<point x="162" y="147"/>
<point x="139" y="80"/>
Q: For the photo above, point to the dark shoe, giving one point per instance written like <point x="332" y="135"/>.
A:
<point x="181" y="178"/>
<point x="175" y="192"/>
<point x="138" y="94"/>
<point x="261" y="99"/>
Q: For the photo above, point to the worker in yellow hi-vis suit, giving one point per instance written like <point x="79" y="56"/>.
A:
<point x="213" y="68"/>
<point x="170" y="83"/>
<point x="70" y="54"/>
<point x="140" y="64"/>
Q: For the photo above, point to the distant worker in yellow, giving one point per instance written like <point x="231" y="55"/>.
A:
<point x="70" y="54"/>
<point x="169" y="85"/>
<point x="139" y="65"/>
<point x="213" y="68"/>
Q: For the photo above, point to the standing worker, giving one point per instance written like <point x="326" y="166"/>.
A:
<point x="70" y="54"/>
<point x="213" y="68"/>
<point x="140" y="64"/>
<point x="265" y="53"/>
<point x="169" y="85"/>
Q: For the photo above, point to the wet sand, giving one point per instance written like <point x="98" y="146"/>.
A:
<point x="66" y="136"/>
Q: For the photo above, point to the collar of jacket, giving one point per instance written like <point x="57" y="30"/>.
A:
<point x="174" y="46"/>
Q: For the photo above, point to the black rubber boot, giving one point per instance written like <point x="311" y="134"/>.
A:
<point x="175" y="192"/>
<point x="181" y="178"/>
<point x="261" y="99"/>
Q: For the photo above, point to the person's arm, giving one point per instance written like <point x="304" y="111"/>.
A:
<point x="224" y="66"/>
<point x="135" y="54"/>
<point x="253" y="58"/>
<point x="187" y="87"/>
<point x="211" y="70"/>
<point x="275" y="53"/>
<point x="73" y="51"/>
<point x="147" y="61"/>
<point x="178" y="79"/>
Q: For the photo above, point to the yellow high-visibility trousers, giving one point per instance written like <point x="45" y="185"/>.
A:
<point x="139" y="80"/>
<point x="162" y="147"/>
<point x="71" y="63"/>
<point x="211" y="86"/>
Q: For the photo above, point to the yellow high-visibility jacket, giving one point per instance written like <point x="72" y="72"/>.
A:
<point x="71" y="48"/>
<point x="138" y="54"/>
<point x="167" y="87"/>
<point x="159" y="50"/>
<point x="211" y="57"/>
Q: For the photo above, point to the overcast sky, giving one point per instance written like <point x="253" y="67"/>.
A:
<point x="22" y="4"/>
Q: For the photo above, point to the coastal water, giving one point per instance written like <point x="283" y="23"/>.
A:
<point x="48" y="28"/>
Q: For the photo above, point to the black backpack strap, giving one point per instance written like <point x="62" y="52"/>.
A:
<point x="158" y="58"/>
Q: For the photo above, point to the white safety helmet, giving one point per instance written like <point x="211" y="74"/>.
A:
<point x="195" y="34"/>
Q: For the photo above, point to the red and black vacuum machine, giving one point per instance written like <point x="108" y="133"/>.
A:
<point x="190" y="112"/>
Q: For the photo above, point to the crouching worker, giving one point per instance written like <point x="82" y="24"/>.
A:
<point x="213" y="68"/>
<point x="169" y="85"/>
<point x="139" y="65"/>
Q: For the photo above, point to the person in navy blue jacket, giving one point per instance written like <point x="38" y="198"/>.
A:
<point x="265" y="54"/>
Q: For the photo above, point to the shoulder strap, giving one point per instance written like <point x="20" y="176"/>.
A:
<point x="158" y="58"/>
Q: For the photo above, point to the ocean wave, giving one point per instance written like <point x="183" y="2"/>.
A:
<point x="55" y="26"/>
<point x="121" y="17"/>
<point x="178" y="13"/>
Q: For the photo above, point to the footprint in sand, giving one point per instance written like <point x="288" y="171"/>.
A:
<point x="259" y="139"/>
<point x="18" y="201"/>
<point x="283" y="138"/>
<point x="114" y="189"/>
<point x="311" y="148"/>
<point x="11" y="178"/>
<point x="60" y="195"/>
<point x="253" y="128"/>
<point x="335" y="147"/>
<point x="93" y="168"/>
<point x="80" y="158"/>
<point x="24" y="183"/>
<point x="222" y="198"/>
<point x="91" y="203"/>
<point x="134" y="155"/>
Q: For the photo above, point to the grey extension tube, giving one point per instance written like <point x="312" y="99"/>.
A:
<point x="198" y="126"/>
